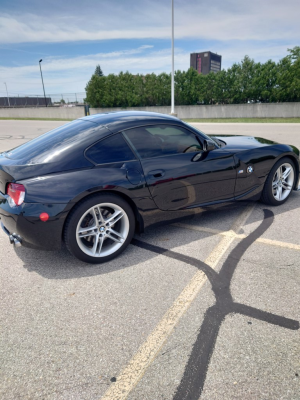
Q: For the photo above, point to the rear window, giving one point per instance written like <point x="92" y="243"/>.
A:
<point x="52" y="144"/>
<point x="111" y="150"/>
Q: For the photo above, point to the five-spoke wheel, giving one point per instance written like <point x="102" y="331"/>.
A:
<point x="283" y="181"/>
<point x="100" y="228"/>
<point x="279" y="183"/>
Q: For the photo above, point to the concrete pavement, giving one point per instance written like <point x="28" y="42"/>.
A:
<point x="71" y="330"/>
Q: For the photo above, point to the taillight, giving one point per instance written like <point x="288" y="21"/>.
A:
<point x="16" y="192"/>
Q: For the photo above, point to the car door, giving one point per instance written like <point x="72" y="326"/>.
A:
<point x="178" y="172"/>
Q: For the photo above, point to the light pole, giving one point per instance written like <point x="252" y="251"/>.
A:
<point x="172" y="76"/>
<point x="7" y="94"/>
<point x="43" y="81"/>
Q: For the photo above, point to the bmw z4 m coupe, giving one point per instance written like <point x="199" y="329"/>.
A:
<point x="95" y="181"/>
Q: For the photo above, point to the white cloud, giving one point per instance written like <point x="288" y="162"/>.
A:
<point x="238" y="27"/>
<point x="63" y="75"/>
<point x="72" y="74"/>
<point x="219" y="20"/>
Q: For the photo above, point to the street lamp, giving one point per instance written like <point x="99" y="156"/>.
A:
<point x="7" y="94"/>
<point x="172" y="76"/>
<point x="43" y="81"/>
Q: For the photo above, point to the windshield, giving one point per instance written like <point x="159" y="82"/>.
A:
<point x="203" y="134"/>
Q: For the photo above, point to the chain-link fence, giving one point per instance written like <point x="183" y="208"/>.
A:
<point x="51" y="100"/>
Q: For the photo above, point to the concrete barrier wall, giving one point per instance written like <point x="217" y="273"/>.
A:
<point x="259" y="110"/>
<point x="276" y="110"/>
<point x="47" y="112"/>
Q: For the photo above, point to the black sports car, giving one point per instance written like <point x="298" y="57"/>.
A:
<point x="95" y="181"/>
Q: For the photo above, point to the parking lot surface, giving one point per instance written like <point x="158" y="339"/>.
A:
<point x="207" y="307"/>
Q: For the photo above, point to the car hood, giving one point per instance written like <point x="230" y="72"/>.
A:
<point x="241" y="143"/>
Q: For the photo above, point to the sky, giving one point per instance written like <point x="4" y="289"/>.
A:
<point x="72" y="37"/>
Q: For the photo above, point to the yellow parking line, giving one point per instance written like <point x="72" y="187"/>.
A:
<point x="147" y="352"/>
<point x="278" y="243"/>
<point x="231" y="233"/>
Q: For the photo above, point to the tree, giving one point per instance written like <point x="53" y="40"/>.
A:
<point x="221" y="87"/>
<point x="244" y="81"/>
<point x="247" y="73"/>
<point x="294" y="87"/>
<point x="294" y="53"/>
<point x="95" y="91"/>
<point x="164" y="88"/>
<point x="98" y="71"/>
<point x="265" y="81"/>
<point x="152" y="90"/>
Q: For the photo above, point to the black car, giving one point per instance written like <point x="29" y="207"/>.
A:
<point x="95" y="181"/>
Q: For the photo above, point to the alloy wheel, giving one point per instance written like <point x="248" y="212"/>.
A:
<point x="283" y="181"/>
<point x="102" y="230"/>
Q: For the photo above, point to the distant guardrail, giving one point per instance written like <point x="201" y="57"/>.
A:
<point x="260" y="110"/>
<point x="256" y="110"/>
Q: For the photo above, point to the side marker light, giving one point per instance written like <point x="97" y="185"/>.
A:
<point x="44" y="217"/>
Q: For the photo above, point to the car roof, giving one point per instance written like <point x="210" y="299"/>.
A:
<point x="119" y="120"/>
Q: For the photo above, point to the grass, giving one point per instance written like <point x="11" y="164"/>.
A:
<point x="244" y="120"/>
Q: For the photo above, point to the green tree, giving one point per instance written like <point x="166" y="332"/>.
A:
<point x="129" y="93"/>
<point x="265" y="81"/>
<point x="208" y="88"/>
<point x="98" y="71"/>
<point x="110" y="94"/>
<point x="294" y="89"/>
<point x="96" y="91"/>
<point x="294" y="53"/>
<point x="241" y="82"/>
<point x="152" y="90"/>
<point x="284" y="79"/>
<point x="246" y="76"/>
<point x="233" y="84"/>
<point x="221" y="91"/>
<point x="186" y="87"/>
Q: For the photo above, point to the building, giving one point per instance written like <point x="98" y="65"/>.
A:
<point x="206" y="62"/>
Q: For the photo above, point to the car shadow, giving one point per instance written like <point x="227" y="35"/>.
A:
<point x="62" y="265"/>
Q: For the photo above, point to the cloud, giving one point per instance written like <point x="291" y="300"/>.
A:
<point x="233" y="28"/>
<point x="72" y="74"/>
<point x="219" y="20"/>
<point x="146" y="46"/>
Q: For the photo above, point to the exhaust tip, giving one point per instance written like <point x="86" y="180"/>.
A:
<point x="17" y="243"/>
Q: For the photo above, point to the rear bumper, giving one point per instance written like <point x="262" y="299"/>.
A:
<point x="24" y="222"/>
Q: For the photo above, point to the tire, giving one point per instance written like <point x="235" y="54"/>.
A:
<point x="280" y="182"/>
<point x="99" y="228"/>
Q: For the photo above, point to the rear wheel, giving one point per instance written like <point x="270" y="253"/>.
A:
<point x="100" y="228"/>
<point x="280" y="182"/>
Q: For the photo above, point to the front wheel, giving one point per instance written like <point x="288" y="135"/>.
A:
<point x="280" y="182"/>
<point x="99" y="229"/>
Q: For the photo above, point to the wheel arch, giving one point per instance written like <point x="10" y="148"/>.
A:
<point x="139" y="222"/>
<point x="295" y="163"/>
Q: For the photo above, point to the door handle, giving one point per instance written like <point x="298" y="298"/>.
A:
<point x="158" y="173"/>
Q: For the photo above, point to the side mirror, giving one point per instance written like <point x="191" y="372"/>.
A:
<point x="208" y="145"/>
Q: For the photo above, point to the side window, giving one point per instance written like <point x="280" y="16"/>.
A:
<point x="110" y="150"/>
<point x="160" y="140"/>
